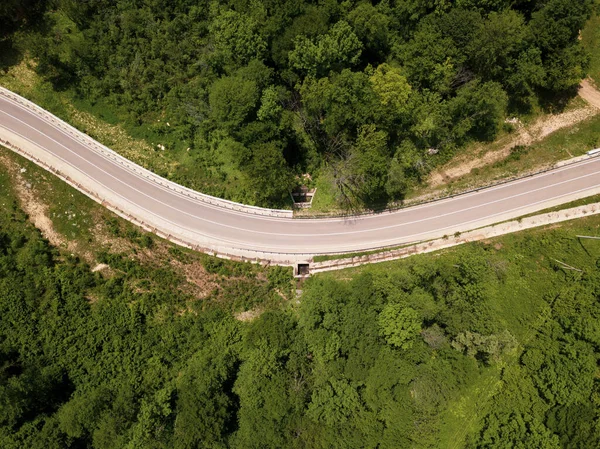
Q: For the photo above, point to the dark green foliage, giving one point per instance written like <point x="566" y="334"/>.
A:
<point x="19" y="13"/>
<point x="295" y="82"/>
<point x="381" y="361"/>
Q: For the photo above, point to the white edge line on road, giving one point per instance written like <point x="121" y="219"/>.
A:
<point x="398" y="225"/>
<point x="346" y="248"/>
<point x="197" y="201"/>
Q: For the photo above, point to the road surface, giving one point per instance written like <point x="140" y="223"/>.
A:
<point x="248" y="232"/>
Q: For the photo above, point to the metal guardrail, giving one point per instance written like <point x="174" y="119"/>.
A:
<point x="135" y="168"/>
<point x="291" y="261"/>
<point x="293" y="258"/>
<point x="559" y="164"/>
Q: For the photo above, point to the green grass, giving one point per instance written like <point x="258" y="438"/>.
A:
<point x="327" y="257"/>
<point x="74" y="216"/>
<point x="560" y="145"/>
<point x="324" y="202"/>
<point x="590" y="36"/>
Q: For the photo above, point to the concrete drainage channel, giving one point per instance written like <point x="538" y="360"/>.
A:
<point x="303" y="270"/>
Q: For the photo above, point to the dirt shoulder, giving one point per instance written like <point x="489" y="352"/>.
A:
<point x="481" y="157"/>
<point x="525" y="135"/>
<point x="32" y="206"/>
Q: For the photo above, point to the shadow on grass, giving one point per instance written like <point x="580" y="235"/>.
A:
<point x="553" y="102"/>
<point x="9" y="55"/>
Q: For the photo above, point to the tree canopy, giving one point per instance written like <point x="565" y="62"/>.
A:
<point x="395" y="356"/>
<point x="305" y="77"/>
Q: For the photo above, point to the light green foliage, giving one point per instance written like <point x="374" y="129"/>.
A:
<point x="337" y="49"/>
<point x="231" y="99"/>
<point x="563" y="374"/>
<point x="269" y="384"/>
<point x="333" y="403"/>
<point x="519" y="432"/>
<point x="527" y="74"/>
<point x="203" y="399"/>
<point x="270" y="104"/>
<point x="399" y="325"/>
<point x="392" y="89"/>
<point x="489" y="348"/>
<point x="236" y="38"/>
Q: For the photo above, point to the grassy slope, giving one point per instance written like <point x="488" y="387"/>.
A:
<point x="560" y="145"/>
<point x="91" y="232"/>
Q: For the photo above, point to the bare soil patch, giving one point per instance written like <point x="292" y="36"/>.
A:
<point x="200" y="283"/>
<point x="34" y="208"/>
<point x="589" y="93"/>
<point x="100" y="267"/>
<point x="525" y="135"/>
<point x="248" y="315"/>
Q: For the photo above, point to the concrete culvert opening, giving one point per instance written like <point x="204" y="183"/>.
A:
<point x="303" y="269"/>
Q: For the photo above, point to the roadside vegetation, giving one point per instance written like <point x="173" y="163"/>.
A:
<point x="79" y="227"/>
<point x="517" y="160"/>
<point x="591" y="41"/>
<point x="239" y="99"/>
<point x="487" y="345"/>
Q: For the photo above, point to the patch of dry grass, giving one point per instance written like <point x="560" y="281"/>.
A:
<point x="22" y="79"/>
<point x="530" y="151"/>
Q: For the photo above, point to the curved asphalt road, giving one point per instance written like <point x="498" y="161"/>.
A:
<point x="283" y="239"/>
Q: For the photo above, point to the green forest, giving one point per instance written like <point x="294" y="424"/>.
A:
<point x="488" y="345"/>
<point x="250" y="95"/>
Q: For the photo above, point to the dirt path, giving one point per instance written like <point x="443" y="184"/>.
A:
<point x="524" y="136"/>
<point x="589" y="93"/>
